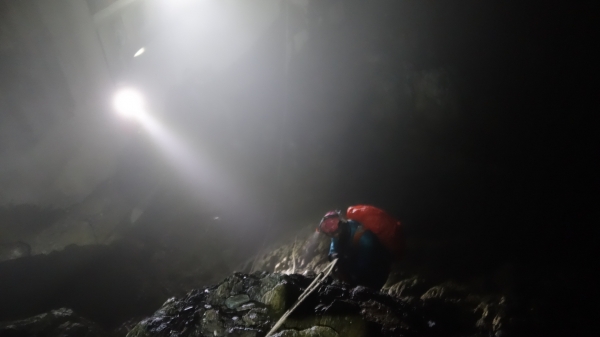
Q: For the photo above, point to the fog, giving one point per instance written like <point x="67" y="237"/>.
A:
<point x="470" y="121"/>
<point x="315" y="104"/>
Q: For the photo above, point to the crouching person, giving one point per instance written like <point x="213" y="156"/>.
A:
<point x="362" y="258"/>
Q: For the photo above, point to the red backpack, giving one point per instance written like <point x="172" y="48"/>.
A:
<point x="385" y="226"/>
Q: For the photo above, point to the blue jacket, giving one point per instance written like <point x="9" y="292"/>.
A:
<point x="363" y="260"/>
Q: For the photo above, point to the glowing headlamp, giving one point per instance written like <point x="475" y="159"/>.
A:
<point x="129" y="103"/>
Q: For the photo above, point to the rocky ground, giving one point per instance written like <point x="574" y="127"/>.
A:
<point x="248" y="305"/>
<point x="441" y="288"/>
<point x="114" y="287"/>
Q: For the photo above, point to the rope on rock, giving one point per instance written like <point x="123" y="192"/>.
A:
<point x="313" y="285"/>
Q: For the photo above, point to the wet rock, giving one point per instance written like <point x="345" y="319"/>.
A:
<point x="168" y="308"/>
<point x="287" y="333"/>
<point x="211" y="324"/>
<point x="275" y="299"/>
<point x="244" y="332"/>
<point x="218" y="310"/>
<point x="332" y="291"/>
<point x="249" y="305"/>
<point x="409" y="288"/>
<point x="447" y="292"/>
<point x="340" y="307"/>
<point x="302" y="256"/>
<point x="255" y="316"/>
<point x="237" y="300"/>
<point x="494" y="316"/>
<point x="266" y="282"/>
<point x="450" y="308"/>
<point x="61" y="322"/>
<point x="380" y="313"/>
<point x="315" y="331"/>
<point x="361" y="293"/>
<point x="345" y="325"/>
<point x="318" y="331"/>
<point x="224" y="290"/>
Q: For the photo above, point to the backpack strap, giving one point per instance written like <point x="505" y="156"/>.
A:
<point x="357" y="235"/>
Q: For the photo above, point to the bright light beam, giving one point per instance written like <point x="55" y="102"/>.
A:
<point x="200" y="175"/>
<point x="129" y="103"/>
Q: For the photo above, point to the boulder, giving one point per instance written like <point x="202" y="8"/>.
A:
<point x="56" y="323"/>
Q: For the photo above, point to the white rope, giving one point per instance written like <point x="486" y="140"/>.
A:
<point x="313" y="285"/>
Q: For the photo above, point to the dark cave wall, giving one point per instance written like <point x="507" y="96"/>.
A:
<point x="465" y="119"/>
<point x="455" y="116"/>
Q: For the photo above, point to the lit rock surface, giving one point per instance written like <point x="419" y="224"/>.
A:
<point x="334" y="309"/>
<point x="61" y="322"/>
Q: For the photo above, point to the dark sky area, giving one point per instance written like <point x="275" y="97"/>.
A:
<point x="466" y="119"/>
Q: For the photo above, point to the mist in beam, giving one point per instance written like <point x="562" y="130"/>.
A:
<point x="194" y="167"/>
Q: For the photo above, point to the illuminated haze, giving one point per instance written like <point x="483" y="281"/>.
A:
<point x="274" y="111"/>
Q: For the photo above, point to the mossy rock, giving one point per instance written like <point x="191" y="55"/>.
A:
<point x="315" y="331"/>
<point x="275" y="300"/>
<point x="343" y="325"/>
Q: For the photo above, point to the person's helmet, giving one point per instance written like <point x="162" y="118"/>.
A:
<point x="330" y="223"/>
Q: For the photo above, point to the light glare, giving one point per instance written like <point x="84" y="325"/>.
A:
<point x="129" y="103"/>
<point x="139" y="52"/>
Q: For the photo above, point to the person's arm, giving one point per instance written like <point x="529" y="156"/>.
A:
<point x="333" y="249"/>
